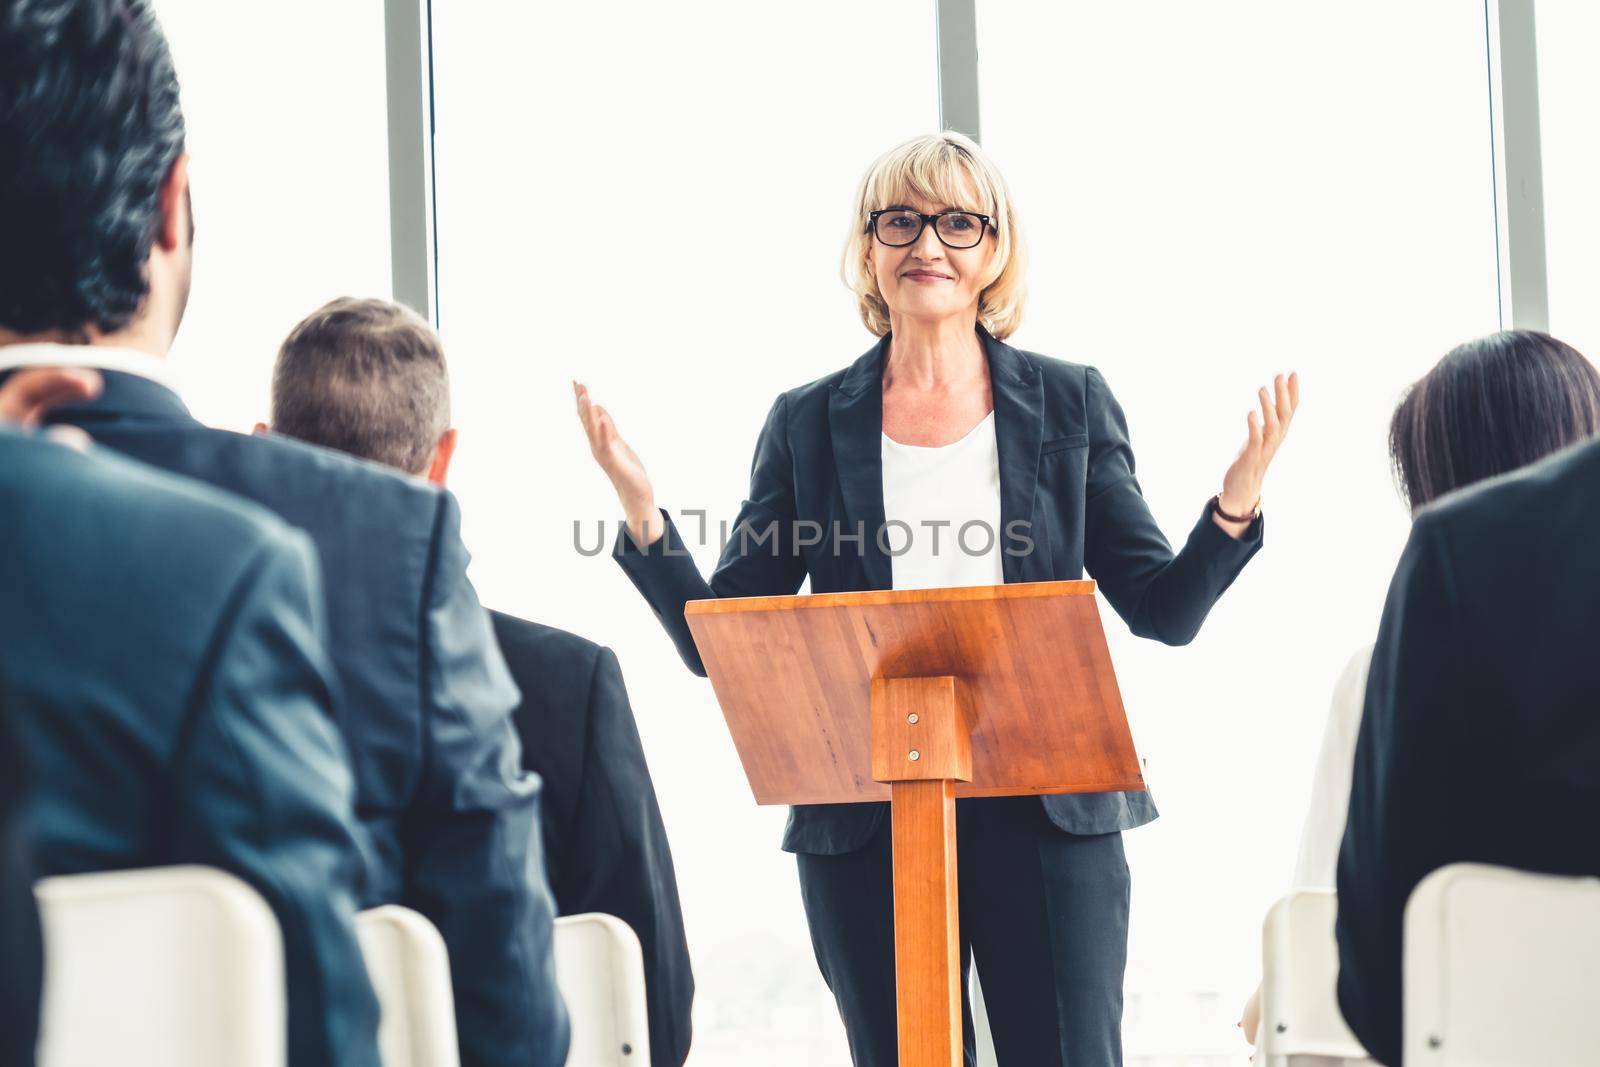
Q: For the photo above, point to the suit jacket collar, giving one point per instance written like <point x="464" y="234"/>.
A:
<point x="1018" y="390"/>
<point x="855" y="422"/>
<point x="855" y="418"/>
<point x="127" y="396"/>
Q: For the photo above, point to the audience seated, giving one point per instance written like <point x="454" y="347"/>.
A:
<point x="262" y="653"/>
<point x="95" y="271"/>
<point x="1488" y="407"/>
<point x="162" y="659"/>
<point x="1480" y="739"/>
<point x="368" y="377"/>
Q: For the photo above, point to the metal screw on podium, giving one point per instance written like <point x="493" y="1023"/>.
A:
<point x="1435" y="1041"/>
<point x="915" y="755"/>
<point x="912" y="718"/>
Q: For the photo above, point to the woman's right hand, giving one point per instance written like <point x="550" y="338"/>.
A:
<point x="622" y="466"/>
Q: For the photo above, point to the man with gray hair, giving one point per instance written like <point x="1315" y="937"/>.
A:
<point x="368" y="377"/>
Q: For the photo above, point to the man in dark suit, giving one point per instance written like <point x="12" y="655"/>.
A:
<point x="1480" y="740"/>
<point x="95" y="270"/>
<point x="21" y="975"/>
<point x="604" y="838"/>
<point x="162" y="666"/>
<point x="368" y="377"/>
<point x="24" y="400"/>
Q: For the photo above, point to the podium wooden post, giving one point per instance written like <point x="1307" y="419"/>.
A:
<point x="919" y="697"/>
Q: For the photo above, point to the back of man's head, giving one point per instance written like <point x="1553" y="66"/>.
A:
<point x="90" y="128"/>
<point x="366" y="377"/>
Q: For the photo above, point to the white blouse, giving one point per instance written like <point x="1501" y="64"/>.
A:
<point x="941" y="511"/>
<point x="1330" y="786"/>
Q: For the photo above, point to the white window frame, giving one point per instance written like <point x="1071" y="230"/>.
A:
<point x="1513" y="66"/>
<point x="413" y="237"/>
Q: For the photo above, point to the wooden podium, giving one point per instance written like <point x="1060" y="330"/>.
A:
<point x="919" y="697"/>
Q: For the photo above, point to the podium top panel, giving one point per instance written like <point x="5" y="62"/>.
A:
<point x="794" y="674"/>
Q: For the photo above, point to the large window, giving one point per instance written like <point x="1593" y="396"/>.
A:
<point x="1215" y="192"/>
<point x="290" y="179"/>
<point x="653" y="198"/>
<point x="1569" y="86"/>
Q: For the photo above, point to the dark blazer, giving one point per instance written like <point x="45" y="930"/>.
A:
<point x="21" y="954"/>
<point x="605" y="846"/>
<point x="1480" y="739"/>
<point x="1066" y="475"/>
<point x="161" y="646"/>
<point x="427" y="715"/>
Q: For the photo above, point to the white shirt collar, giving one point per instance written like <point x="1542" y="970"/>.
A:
<point x="100" y="357"/>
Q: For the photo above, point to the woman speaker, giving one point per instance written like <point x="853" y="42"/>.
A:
<point x="944" y="457"/>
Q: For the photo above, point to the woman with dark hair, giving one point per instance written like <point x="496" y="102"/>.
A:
<point x="1487" y="408"/>
<point x="1491" y="406"/>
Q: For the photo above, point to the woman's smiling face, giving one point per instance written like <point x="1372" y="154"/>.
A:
<point x="927" y="279"/>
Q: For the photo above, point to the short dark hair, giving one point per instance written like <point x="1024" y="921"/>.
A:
<point x="90" y="127"/>
<point x="366" y="377"/>
<point x="1488" y="407"/>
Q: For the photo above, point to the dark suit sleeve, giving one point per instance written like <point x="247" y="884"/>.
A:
<point x="619" y="862"/>
<point x="1158" y="594"/>
<point x="475" y="855"/>
<point x="760" y="558"/>
<point x="21" y="950"/>
<point x="1423" y="677"/>
<point x="263" y="790"/>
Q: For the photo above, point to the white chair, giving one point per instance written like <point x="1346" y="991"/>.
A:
<point x="983" y="1037"/>
<point x="1501" y="969"/>
<point x="1300" y="1021"/>
<point x="410" y="971"/>
<point x="600" y="969"/>
<point x="166" y="967"/>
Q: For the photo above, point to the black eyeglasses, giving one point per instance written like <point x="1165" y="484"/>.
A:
<point x="898" y="227"/>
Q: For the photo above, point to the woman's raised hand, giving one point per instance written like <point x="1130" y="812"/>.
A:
<point x="1241" y="486"/>
<point x="622" y="466"/>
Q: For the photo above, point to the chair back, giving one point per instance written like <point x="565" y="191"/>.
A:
<point x="1501" y="968"/>
<point x="1300" y="1021"/>
<point x="165" y="967"/>
<point x="410" y="971"/>
<point x="600" y="969"/>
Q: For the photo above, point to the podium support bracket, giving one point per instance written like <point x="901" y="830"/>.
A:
<point x="921" y="729"/>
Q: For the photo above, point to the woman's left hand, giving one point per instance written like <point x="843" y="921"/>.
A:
<point x="1241" y="486"/>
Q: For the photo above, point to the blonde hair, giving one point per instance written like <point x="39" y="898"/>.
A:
<point x="946" y="168"/>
